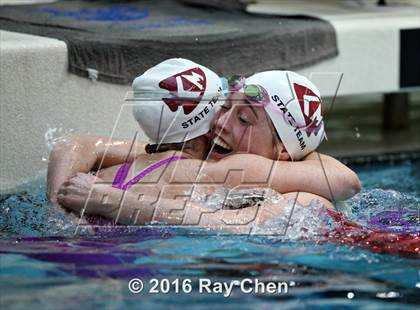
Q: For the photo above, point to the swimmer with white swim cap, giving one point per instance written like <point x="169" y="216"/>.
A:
<point x="282" y="102"/>
<point x="185" y="108"/>
<point x="175" y="102"/>
<point x="295" y="109"/>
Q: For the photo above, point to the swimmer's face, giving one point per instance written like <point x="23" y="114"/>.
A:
<point x="241" y="127"/>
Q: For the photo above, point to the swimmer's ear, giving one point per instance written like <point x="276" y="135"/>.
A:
<point x="282" y="153"/>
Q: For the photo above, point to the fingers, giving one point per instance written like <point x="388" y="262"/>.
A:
<point x="62" y="199"/>
<point x="78" y="181"/>
<point x="85" y="179"/>
<point x="72" y="202"/>
<point x="72" y="189"/>
<point x="77" y="194"/>
<point x="67" y="202"/>
<point x="86" y="176"/>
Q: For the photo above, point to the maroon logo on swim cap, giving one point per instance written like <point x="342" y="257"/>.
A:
<point x="310" y="105"/>
<point x="187" y="89"/>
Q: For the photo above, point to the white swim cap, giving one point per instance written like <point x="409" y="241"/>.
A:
<point x="176" y="100"/>
<point x="294" y="107"/>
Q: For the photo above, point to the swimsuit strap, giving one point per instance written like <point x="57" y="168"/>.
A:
<point x="123" y="171"/>
<point x="121" y="175"/>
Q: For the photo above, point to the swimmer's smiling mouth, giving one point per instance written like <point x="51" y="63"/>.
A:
<point x="219" y="146"/>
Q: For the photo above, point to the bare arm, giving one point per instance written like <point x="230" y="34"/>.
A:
<point x="84" y="154"/>
<point x="126" y="208"/>
<point x="331" y="179"/>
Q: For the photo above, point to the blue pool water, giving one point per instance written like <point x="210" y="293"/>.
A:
<point x="45" y="266"/>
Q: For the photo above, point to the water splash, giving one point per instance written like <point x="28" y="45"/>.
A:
<point x="298" y="222"/>
<point x="357" y="132"/>
<point x="56" y="135"/>
<point x="224" y="198"/>
<point x="294" y="222"/>
<point x="387" y="210"/>
<point x="28" y="213"/>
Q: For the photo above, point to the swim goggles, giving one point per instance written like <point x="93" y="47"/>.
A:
<point x="258" y="95"/>
<point x="255" y="94"/>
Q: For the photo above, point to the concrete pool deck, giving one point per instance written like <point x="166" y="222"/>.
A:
<point x="38" y="95"/>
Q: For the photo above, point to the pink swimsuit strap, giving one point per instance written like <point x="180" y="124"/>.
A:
<point x="123" y="171"/>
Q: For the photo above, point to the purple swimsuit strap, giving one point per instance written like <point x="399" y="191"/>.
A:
<point x="121" y="175"/>
<point x="123" y="171"/>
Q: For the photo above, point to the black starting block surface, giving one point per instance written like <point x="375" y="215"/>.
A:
<point x="121" y="39"/>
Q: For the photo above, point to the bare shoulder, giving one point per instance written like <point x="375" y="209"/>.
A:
<point x="250" y="166"/>
<point x="83" y="139"/>
<point x="246" y="162"/>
